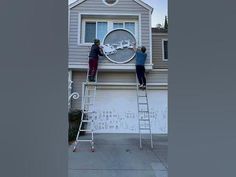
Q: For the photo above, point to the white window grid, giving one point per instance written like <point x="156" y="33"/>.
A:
<point x="109" y="26"/>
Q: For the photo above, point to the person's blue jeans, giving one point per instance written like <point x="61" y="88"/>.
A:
<point x="140" y="71"/>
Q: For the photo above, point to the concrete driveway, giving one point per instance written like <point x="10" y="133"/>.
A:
<point x="118" y="155"/>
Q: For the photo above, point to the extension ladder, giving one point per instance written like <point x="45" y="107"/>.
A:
<point x="88" y="103"/>
<point x="143" y="114"/>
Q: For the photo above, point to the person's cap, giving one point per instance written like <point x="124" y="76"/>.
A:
<point x="96" y="41"/>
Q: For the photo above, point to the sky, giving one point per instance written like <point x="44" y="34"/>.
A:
<point x="159" y="12"/>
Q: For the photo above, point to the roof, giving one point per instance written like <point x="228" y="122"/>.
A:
<point x="159" y="30"/>
<point x="137" y="1"/>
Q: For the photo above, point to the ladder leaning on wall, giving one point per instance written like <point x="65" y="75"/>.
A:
<point x="88" y="110"/>
<point x="143" y="113"/>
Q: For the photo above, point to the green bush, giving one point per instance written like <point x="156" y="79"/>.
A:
<point x="74" y="118"/>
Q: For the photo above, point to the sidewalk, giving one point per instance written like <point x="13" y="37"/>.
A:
<point x="118" y="155"/>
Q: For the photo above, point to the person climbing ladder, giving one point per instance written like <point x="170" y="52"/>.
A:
<point x="94" y="54"/>
<point x="141" y="57"/>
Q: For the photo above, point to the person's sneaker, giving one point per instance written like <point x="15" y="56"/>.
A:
<point x="92" y="79"/>
<point x="144" y="87"/>
<point x="89" y="78"/>
<point x="140" y="86"/>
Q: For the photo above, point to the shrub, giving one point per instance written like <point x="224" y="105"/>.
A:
<point x="74" y="118"/>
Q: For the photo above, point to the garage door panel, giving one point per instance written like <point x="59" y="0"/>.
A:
<point x="116" y="111"/>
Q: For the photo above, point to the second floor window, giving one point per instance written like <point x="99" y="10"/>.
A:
<point x="126" y="25"/>
<point x="130" y="26"/>
<point x="95" y="30"/>
<point x="118" y="25"/>
<point x="165" y="50"/>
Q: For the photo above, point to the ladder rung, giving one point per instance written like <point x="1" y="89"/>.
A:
<point x="140" y="90"/>
<point x="87" y="112"/>
<point x="88" y="103"/>
<point x="91" y="83"/>
<point x="143" y="103"/>
<point x="145" y="128"/>
<point x="88" y="121"/>
<point x="88" y="96"/>
<point x="91" y="90"/>
<point x="83" y="130"/>
<point x="142" y="96"/>
<point x="142" y="111"/>
<point x="144" y="120"/>
<point x="85" y="140"/>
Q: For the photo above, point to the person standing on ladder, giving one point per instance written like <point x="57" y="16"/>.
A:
<point x="141" y="57"/>
<point x="94" y="54"/>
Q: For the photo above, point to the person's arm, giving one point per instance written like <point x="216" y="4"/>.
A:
<point x="100" y="52"/>
<point x="135" y="48"/>
<point x="145" y="58"/>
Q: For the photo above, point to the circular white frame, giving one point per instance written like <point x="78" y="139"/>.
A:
<point x="104" y="1"/>
<point x="114" y="60"/>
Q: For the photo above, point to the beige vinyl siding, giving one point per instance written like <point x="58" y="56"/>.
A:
<point x="114" y="77"/>
<point x="155" y="76"/>
<point x="78" y="54"/>
<point x="157" y="52"/>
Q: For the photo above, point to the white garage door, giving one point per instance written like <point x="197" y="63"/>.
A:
<point x="116" y="111"/>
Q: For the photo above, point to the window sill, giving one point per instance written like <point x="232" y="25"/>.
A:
<point x="110" y="67"/>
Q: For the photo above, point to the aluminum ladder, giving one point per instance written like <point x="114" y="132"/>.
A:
<point x="143" y="113"/>
<point x="88" y="109"/>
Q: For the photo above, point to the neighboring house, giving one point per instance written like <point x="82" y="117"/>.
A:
<point x="116" y="102"/>
<point x="160" y="48"/>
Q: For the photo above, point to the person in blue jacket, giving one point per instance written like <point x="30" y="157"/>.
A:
<point x="141" y="57"/>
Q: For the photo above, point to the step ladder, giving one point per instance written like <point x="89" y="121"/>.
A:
<point x="143" y="114"/>
<point x="88" y="109"/>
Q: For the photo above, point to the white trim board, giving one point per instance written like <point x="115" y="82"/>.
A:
<point x="123" y="84"/>
<point x="159" y="70"/>
<point x="114" y="67"/>
<point x="150" y="36"/>
<point x="160" y="34"/>
<point x="137" y="1"/>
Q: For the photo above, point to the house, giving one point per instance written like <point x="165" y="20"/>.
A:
<point x="116" y="99"/>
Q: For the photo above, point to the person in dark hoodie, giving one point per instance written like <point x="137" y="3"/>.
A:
<point x="94" y="54"/>
<point x="141" y="57"/>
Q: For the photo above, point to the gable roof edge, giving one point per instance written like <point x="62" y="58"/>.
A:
<point x="137" y="1"/>
<point x="76" y="3"/>
<point x="144" y="5"/>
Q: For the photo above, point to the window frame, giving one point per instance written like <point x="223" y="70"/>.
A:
<point x="110" y="26"/>
<point x="163" y="50"/>
<point x="84" y="28"/>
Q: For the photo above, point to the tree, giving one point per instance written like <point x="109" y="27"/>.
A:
<point x="166" y="23"/>
<point x="158" y="25"/>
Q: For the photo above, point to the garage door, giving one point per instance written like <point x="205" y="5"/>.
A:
<point x="116" y="111"/>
